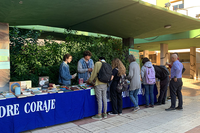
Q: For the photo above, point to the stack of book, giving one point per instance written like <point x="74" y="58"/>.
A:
<point x="52" y="91"/>
<point x="21" y="96"/>
<point x="9" y="95"/>
<point x="39" y="93"/>
<point x="27" y="93"/>
<point x="2" y="97"/>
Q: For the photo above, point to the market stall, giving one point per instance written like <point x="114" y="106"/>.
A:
<point x="21" y="114"/>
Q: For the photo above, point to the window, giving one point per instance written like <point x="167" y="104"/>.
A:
<point x="184" y="57"/>
<point x="152" y="58"/>
<point x="175" y="7"/>
<point x="180" y="6"/>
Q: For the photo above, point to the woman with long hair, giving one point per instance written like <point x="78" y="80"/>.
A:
<point x="116" y="97"/>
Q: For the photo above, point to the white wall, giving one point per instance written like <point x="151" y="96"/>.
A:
<point x="191" y="3"/>
<point x="192" y="7"/>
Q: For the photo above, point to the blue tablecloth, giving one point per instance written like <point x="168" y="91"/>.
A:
<point x="17" y="115"/>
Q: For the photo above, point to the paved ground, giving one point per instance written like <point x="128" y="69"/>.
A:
<point x="151" y="120"/>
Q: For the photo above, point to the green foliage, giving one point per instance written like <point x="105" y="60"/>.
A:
<point x="29" y="60"/>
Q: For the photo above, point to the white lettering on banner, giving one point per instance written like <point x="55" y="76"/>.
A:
<point x="33" y="107"/>
<point x="40" y="106"/>
<point x="25" y="108"/>
<point x="53" y="104"/>
<point x="2" y="111"/>
<point x="16" y="109"/>
<point x="10" y="110"/>
<point x="45" y="106"/>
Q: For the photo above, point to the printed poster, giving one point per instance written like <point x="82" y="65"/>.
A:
<point x="136" y="54"/>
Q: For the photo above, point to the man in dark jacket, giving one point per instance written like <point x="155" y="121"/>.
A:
<point x="163" y="75"/>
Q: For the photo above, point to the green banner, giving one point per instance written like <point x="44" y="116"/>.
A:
<point x="136" y="54"/>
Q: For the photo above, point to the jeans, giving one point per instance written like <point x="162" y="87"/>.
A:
<point x="149" y="90"/>
<point x="133" y="96"/>
<point x="100" y="91"/>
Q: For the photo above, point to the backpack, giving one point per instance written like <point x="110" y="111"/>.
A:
<point x="150" y="75"/>
<point x="161" y="71"/>
<point x="122" y="85"/>
<point x="105" y="73"/>
<point x="165" y="70"/>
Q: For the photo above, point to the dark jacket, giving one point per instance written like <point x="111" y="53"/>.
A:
<point x="161" y="72"/>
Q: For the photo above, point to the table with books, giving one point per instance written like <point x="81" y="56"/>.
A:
<point x="50" y="107"/>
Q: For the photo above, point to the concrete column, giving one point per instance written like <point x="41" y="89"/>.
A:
<point x="146" y="53"/>
<point x="193" y="62"/>
<point x="4" y="57"/>
<point x="128" y="42"/>
<point x="163" y="54"/>
<point x="158" y="59"/>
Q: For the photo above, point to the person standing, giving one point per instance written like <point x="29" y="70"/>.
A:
<point x="64" y="72"/>
<point x="176" y="83"/>
<point x="170" y="64"/>
<point x="116" y="97"/>
<point x="148" y="79"/>
<point x="100" y="90"/>
<point x="85" y="66"/>
<point x="163" y="75"/>
<point x="135" y="84"/>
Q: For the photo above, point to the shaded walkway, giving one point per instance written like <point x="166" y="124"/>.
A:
<point x="151" y="120"/>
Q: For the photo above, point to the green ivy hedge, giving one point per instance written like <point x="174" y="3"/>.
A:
<point x="29" y="60"/>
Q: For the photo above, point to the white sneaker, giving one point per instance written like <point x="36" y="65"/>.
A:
<point x="136" y="109"/>
<point x="110" y="113"/>
<point x="120" y="114"/>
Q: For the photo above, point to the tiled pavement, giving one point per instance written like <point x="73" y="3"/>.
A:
<point x="151" y="120"/>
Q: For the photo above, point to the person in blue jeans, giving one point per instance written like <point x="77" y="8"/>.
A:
<point x="64" y="72"/>
<point x="135" y="83"/>
<point x="149" y="88"/>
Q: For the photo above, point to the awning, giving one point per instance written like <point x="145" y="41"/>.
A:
<point x="121" y="18"/>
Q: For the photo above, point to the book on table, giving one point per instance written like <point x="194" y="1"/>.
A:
<point x="9" y="95"/>
<point x="21" y="96"/>
<point x="28" y="94"/>
<point x="2" y="97"/>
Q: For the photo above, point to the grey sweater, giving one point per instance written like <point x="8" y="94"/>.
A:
<point x="134" y="76"/>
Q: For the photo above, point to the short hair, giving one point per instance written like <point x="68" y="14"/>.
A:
<point x="87" y="53"/>
<point x="131" y="58"/>
<point x="102" y="58"/>
<point x="145" y="60"/>
<point x="66" y="56"/>
<point x="176" y="54"/>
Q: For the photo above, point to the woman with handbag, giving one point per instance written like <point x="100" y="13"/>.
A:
<point x="116" y="97"/>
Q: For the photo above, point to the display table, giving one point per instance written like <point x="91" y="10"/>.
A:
<point x="17" y="115"/>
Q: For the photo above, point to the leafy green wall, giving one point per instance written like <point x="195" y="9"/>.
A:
<point x="29" y="60"/>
